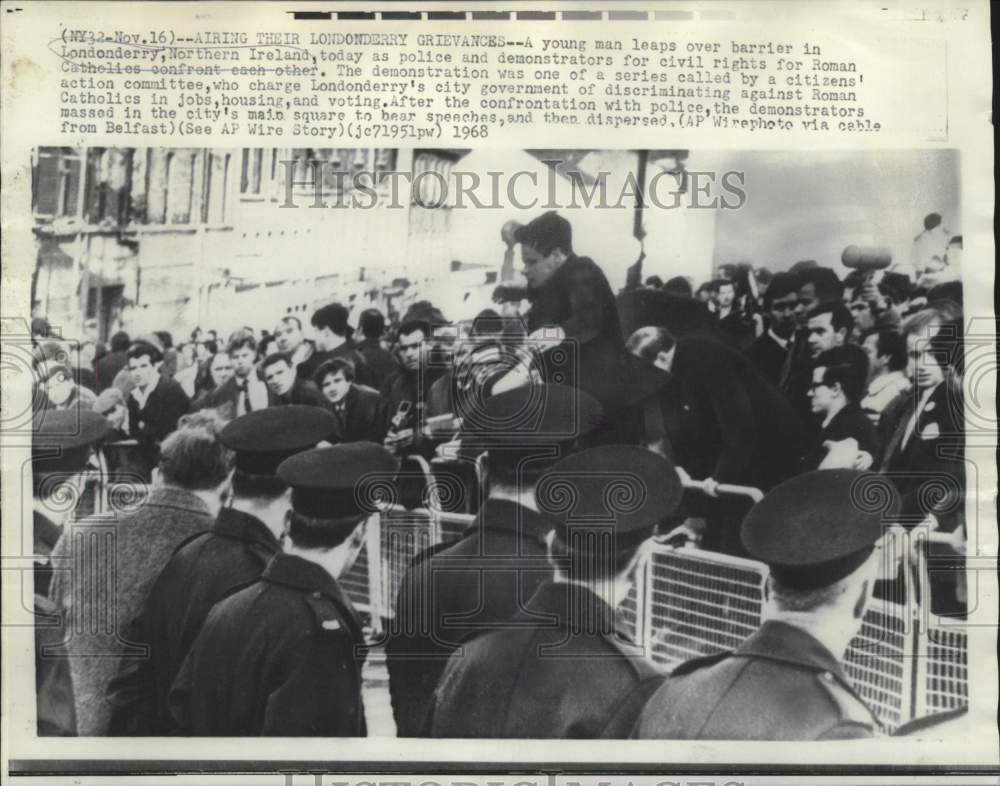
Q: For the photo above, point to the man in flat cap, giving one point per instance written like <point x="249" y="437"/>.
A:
<point x="817" y="532"/>
<point x="479" y="582"/>
<point x="283" y="656"/>
<point x="209" y="565"/>
<point x="565" y="667"/>
<point x="62" y="441"/>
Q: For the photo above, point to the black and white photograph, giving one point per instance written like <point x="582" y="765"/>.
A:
<point x="500" y="443"/>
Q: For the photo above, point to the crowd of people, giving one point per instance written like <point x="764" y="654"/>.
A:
<point x="256" y="451"/>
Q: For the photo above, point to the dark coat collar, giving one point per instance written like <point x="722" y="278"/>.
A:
<point x="502" y="514"/>
<point x="233" y="523"/>
<point x="301" y="574"/>
<point x="573" y="606"/>
<point x="780" y="641"/>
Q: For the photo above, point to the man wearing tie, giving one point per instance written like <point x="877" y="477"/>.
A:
<point x="359" y="410"/>
<point x="245" y="391"/>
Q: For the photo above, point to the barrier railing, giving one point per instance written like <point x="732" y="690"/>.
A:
<point x="688" y="602"/>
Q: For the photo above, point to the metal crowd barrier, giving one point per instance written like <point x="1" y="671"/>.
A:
<point x="688" y="602"/>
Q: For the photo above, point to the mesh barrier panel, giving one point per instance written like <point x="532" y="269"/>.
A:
<point x="355" y="582"/>
<point x="879" y="663"/>
<point x="628" y="613"/>
<point x="404" y="534"/>
<point x="945" y="672"/>
<point x="700" y="603"/>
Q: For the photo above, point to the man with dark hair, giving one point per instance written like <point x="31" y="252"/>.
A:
<point x="155" y="403"/>
<point x="188" y="485"/>
<point x="107" y="368"/>
<point x="209" y="565"/>
<point x="565" y="668"/>
<point x="770" y="351"/>
<point x="284" y="386"/>
<point x="359" y="410"/>
<point x="720" y="420"/>
<point x="405" y="393"/>
<point x="282" y="657"/>
<point x="886" y="351"/>
<point x="569" y="295"/>
<point x="838" y="383"/>
<point x="291" y="340"/>
<point x="786" y="682"/>
<point x="61" y="447"/>
<point x="679" y="285"/>
<point x="333" y="340"/>
<point x="730" y="317"/>
<point x="244" y="391"/>
<point x="830" y="325"/>
<point x="479" y="582"/>
<point x="379" y="359"/>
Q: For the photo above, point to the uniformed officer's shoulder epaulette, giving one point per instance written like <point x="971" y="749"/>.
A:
<point x="326" y="613"/>
<point x="700" y="662"/>
<point x="851" y="708"/>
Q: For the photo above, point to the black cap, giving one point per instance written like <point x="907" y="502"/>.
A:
<point x="339" y="481"/>
<point x="61" y="438"/>
<point x="819" y="527"/>
<point x="518" y="422"/>
<point x="262" y="439"/>
<point x="624" y="490"/>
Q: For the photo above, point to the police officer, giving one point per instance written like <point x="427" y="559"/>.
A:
<point x="480" y="581"/>
<point x="283" y="656"/>
<point x="209" y="565"/>
<point x="817" y="533"/>
<point x="569" y="669"/>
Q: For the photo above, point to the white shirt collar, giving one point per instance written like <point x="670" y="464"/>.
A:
<point x="781" y="342"/>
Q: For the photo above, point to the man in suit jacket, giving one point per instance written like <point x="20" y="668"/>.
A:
<point x="359" y="410"/>
<point x="771" y="349"/>
<point x="479" y="582"/>
<point x="155" y="403"/>
<point x="838" y="382"/>
<point x="722" y="421"/>
<point x="568" y="670"/>
<point x="380" y="360"/>
<point x="925" y="441"/>
<point x="244" y="391"/>
<point x="284" y="387"/>
<point x="786" y="682"/>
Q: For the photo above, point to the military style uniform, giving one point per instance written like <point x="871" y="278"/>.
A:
<point x="812" y="531"/>
<point x="779" y="684"/>
<point x="473" y="586"/>
<point x="281" y="657"/>
<point x="480" y="583"/>
<point x="563" y="667"/>
<point x="547" y="678"/>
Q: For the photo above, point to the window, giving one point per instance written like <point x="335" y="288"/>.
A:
<point x="56" y="182"/>
<point x="250" y="170"/>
